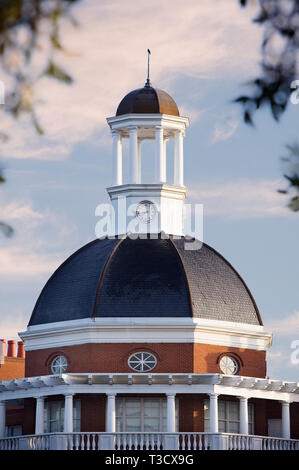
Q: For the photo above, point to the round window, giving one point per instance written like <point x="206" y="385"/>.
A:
<point x="59" y="365"/>
<point x="142" y="361"/>
<point x="228" y="365"/>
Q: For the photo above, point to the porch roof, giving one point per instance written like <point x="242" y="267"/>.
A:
<point x="144" y="383"/>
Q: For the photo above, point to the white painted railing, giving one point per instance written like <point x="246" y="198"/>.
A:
<point x="146" y="441"/>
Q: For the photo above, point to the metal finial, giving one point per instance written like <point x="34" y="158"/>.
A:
<point x="148" y="83"/>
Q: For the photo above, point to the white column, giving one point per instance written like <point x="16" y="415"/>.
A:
<point x="285" y="420"/>
<point x="68" y="413"/>
<point x="213" y="412"/>
<point x="178" y="178"/>
<point x="160" y="158"/>
<point x="117" y="158"/>
<point x="134" y="155"/>
<point x="2" y="418"/>
<point x="139" y="161"/>
<point x="110" y="413"/>
<point x="171" y="412"/>
<point x="39" y="415"/>
<point x="165" y="160"/>
<point x="243" y="415"/>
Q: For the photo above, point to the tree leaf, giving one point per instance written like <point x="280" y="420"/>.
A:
<point x="57" y="72"/>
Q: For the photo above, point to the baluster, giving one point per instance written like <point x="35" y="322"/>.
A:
<point x="146" y="442"/>
<point x="124" y="436"/>
<point x="142" y="441"/>
<point x="135" y="441"/>
<point x="130" y="441"/>
<point x="189" y="441"/>
<point x="182" y="443"/>
<point x="159" y="440"/>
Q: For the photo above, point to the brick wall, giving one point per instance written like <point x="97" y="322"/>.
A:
<point x="12" y="368"/>
<point x="172" y="357"/>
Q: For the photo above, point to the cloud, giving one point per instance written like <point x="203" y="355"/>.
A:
<point x="242" y="198"/>
<point x="17" y="210"/>
<point x="224" y="130"/>
<point x="288" y="325"/>
<point x="38" y="234"/>
<point x="195" y="39"/>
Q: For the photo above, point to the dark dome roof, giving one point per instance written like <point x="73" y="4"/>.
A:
<point x="147" y="100"/>
<point x="145" y="278"/>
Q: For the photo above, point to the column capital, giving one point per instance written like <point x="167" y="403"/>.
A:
<point x="111" y="394"/>
<point x="285" y="402"/>
<point x="213" y="395"/>
<point x="243" y="398"/>
<point x="40" y="397"/>
<point x="170" y="394"/>
<point x="71" y="394"/>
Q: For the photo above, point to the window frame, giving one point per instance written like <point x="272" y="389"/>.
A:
<point x="121" y="418"/>
<point x="59" y="356"/>
<point x="150" y="354"/>
<point x="227" y="404"/>
<point x="48" y="420"/>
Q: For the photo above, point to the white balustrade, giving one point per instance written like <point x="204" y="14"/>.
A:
<point x="190" y="441"/>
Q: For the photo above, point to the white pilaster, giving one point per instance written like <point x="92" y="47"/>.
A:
<point x="117" y="158"/>
<point x="178" y="178"/>
<point x="213" y="412"/>
<point x="243" y="415"/>
<point x="110" y="413"/>
<point x="171" y="412"/>
<point x="39" y="415"/>
<point x="134" y="155"/>
<point x="285" y="420"/>
<point x="2" y="418"/>
<point x="68" y="413"/>
<point x="160" y="157"/>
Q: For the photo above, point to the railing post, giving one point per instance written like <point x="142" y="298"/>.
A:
<point x="106" y="441"/>
<point x="58" y="442"/>
<point x="170" y="441"/>
<point x="2" y="418"/>
<point x="219" y="442"/>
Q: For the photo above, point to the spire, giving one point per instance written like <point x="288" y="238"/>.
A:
<point x="148" y="83"/>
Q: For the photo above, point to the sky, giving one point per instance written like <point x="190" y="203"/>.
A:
<point x="203" y="54"/>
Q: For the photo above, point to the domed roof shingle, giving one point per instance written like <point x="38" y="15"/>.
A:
<point x="147" y="100"/>
<point x="145" y="277"/>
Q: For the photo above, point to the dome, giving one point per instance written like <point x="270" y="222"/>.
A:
<point x="147" y="100"/>
<point x="145" y="277"/>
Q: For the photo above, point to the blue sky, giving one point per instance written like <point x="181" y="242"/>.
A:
<point x="202" y="56"/>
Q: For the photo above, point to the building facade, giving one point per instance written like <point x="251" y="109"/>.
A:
<point x="147" y="338"/>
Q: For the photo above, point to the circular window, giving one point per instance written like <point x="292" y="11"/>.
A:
<point x="228" y="365"/>
<point x="59" y="365"/>
<point x="142" y="361"/>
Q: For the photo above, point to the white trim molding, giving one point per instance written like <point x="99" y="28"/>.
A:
<point x="146" y="330"/>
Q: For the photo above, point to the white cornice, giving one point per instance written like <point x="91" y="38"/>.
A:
<point x="146" y="330"/>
